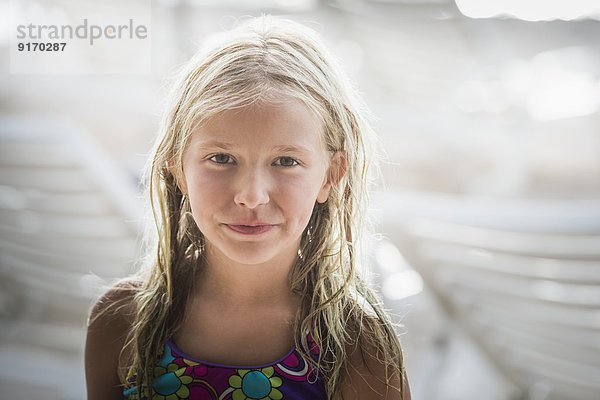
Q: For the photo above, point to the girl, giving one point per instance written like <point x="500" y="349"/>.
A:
<point x="258" y="188"/>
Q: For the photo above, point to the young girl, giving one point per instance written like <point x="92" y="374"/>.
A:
<point x="258" y="187"/>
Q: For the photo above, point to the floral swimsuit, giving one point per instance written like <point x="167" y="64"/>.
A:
<point x="178" y="376"/>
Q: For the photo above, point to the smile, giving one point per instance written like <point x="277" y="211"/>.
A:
<point x="251" y="229"/>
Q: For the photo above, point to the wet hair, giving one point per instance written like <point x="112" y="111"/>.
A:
<point x="263" y="60"/>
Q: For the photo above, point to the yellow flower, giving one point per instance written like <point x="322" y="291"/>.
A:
<point x="255" y="384"/>
<point x="171" y="385"/>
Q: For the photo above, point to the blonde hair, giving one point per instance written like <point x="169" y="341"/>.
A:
<point x="263" y="59"/>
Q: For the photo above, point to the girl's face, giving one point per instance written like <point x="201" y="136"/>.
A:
<point x="252" y="176"/>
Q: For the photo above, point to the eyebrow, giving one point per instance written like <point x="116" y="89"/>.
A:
<point x="291" y="149"/>
<point x="215" y="143"/>
<point x="229" y="146"/>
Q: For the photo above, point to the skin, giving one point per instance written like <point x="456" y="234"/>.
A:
<point x="264" y="165"/>
<point x="106" y="336"/>
<point x="252" y="176"/>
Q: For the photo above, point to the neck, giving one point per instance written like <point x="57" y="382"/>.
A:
<point x="227" y="281"/>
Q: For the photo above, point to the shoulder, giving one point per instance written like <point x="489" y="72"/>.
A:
<point x="117" y="301"/>
<point x="368" y="375"/>
<point x="109" y="325"/>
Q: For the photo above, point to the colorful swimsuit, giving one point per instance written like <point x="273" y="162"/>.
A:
<point x="178" y="376"/>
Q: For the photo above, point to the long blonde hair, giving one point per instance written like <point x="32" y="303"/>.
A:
<point x="262" y="58"/>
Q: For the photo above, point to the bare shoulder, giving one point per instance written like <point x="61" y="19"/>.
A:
<point x="115" y="302"/>
<point x="110" y="320"/>
<point x="366" y="376"/>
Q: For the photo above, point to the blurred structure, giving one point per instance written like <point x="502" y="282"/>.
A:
<point x="520" y="278"/>
<point x="489" y="124"/>
<point x="67" y="221"/>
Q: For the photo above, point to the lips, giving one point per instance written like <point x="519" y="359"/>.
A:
<point x="255" y="229"/>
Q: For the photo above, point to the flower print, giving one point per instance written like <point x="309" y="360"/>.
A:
<point x="253" y="384"/>
<point x="167" y="357"/>
<point x="170" y="379"/>
<point x="195" y="368"/>
<point x="171" y="385"/>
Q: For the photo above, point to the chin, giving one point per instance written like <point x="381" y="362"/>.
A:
<point x="252" y="253"/>
<point x="257" y="258"/>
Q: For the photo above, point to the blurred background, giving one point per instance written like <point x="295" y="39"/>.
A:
<point x="489" y="255"/>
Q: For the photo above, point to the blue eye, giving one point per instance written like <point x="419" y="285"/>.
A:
<point x="221" y="159"/>
<point x="286" y="162"/>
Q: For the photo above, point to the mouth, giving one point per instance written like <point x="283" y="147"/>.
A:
<point x="255" y="229"/>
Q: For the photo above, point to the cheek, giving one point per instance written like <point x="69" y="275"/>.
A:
<point x="299" y="197"/>
<point x="205" y="189"/>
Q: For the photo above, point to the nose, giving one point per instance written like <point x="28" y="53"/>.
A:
<point x="252" y="189"/>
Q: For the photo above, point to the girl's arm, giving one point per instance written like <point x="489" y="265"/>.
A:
<point x="365" y="378"/>
<point x="106" y="336"/>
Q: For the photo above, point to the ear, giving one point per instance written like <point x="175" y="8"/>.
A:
<point x="178" y="175"/>
<point x="338" y="165"/>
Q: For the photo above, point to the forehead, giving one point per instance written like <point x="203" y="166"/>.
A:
<point x="276" y="122"/>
